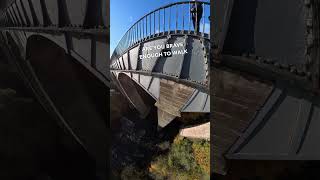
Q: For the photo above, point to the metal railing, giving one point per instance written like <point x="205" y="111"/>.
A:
<point x="187" y="17"/>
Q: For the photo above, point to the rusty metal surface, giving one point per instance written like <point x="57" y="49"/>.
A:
<point x="173" y="97"/>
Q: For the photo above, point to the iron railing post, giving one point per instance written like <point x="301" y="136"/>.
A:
<point x="169" y="29"/>
<point x="196" y="24"/>
<point x="143" y="28"/>
<point x="190" y="18"/>
<point x="159" y="22"/>
<point x="139" y="25"/>
<point x="150" y="25"/>
<point x="146" y="23"/>
<point x="154" y="23"/>
<point x="164" y="20"/>
<point x="176" y="18"/>
<point x="182" y="18"/>
<point x="204" y="19"/>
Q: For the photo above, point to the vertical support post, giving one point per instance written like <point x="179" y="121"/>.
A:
<point x="11" y="17"/>
<point x="169" y="28"/>
<point x="46" y="19"/>
<point x="33" y="13"/>
<point x="183" y="18"/>
<point x="204" y="19"/>
<point x="137" y="37"/>
<point x="129" y="38"/>
<point x="190" y="18"/>
<point x="15" y="15"/>
<point x="154" y="23"/>
<point x="196" y="24"/>
<point x="142" y="28"/>
<point x="25" y="14"/>
<point x="159" y="22"/>
<point x="176" y="18"/>
<point x="164" y="20"/>
<point x="134" y="34"/>
<point x="129" y="60"/>
<point x="147" y="25"/>
<point x="19" y="14"/>
<point x="150" y="24"/>
<point x="139" y="33"/>
<point x="93" y="16"/>
<point x="64" y="19"/>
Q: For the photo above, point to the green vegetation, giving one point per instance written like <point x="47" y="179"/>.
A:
<point x="201" y="151"/>
<point x="133" y="173"/>
<point x="186" y="159"/>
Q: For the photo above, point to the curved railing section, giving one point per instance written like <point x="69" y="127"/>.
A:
<point x="175" y="18"/>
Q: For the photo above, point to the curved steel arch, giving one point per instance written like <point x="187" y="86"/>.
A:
<point x="55" y="92"/>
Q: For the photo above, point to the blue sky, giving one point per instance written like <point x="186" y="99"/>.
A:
<point x="124" y="13"/>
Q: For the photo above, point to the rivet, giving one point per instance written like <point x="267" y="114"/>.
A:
<point x="270" y="61"/>
<point x="253" y="56"/>
<point x="293" y="69"/>
<point x="307" y="2"/>
<point x="308" y="75"/>
<point x="244" y="54"/>
<point x="309" y="22"/>
<point x="284" y="66"/>
<point x="310" y="40"/>
<point x="308" y="60"/>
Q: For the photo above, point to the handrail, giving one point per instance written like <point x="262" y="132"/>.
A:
<point x="150" y="25"/>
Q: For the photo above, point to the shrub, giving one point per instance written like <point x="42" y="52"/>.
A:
<point x="183" y="161"/>
<point x="132" y="173"/>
